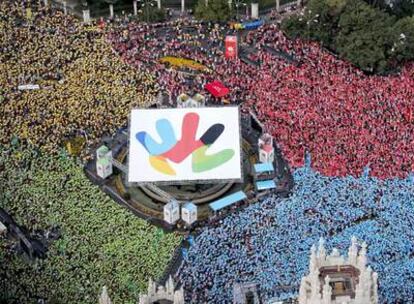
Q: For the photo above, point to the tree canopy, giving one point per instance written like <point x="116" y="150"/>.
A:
<point x="370" y="37"/>
<point x="403" y="38"/>
<point x="214" y="11"/>
<point x="364" y="36"/>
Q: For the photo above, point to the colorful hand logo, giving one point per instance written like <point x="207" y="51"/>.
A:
<point x="177" y="150"/>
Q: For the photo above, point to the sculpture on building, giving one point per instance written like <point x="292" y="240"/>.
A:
<point x="335" y="279"/>
<point x="158" y="293"/>
<point x="186" y="101"/>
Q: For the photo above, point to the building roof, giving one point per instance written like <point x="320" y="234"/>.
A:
<point x="228" y="200"/>
<point x="190" y="206"/>
<point x="263" y="167"/>
<point x="265" y="185"/>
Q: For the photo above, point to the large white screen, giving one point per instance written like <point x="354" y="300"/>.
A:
<point x="208" y="147"/>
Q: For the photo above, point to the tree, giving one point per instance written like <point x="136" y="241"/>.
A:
<point x="403" y="37"/>
<point x="152" y="14"/>
<point x="215" y="11"/>
<point x="380" y="4"/>
<point x="365" y="36"/>
<point x="295" y="26"/>
<point x="149" y="11"/>
<point x="318" y="22"/>
<point x="401" y="8"/>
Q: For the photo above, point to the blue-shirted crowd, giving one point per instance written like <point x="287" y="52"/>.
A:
<point x="269" y="242"/>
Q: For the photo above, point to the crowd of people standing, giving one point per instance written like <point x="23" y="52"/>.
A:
<point x="317" y="103"/>
<point x="268" y="243"/>
<point x="312" y="101"/>
<point x="83" y="87"/>
<point x="90" y="77"/>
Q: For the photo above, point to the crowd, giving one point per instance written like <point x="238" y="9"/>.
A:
<point x="268" y="243"/>
<point x="312" y="102"/>
<point x="84" y="87"/>
<point x="100" y="243"/>
<point x="315" y="103"/>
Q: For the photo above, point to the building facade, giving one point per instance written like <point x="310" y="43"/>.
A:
<point x="335" y="279"/>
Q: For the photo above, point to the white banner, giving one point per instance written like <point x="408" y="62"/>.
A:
<point x="28" y="87"/>
<point x="187" y="144"/>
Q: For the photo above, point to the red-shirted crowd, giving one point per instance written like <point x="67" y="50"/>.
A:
<point x="317" y="103"/>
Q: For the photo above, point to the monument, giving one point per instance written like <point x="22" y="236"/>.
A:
<point x="335" y="279"/>
<point x="162" y="293"/>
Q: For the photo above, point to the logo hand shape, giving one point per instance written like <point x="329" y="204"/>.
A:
<point x="177" y="150"/>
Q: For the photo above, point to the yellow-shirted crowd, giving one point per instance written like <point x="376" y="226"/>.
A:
<point x="84" y="87"/>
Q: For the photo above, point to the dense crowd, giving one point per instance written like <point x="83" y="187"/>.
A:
<point x="316" y="103"/>
<point x="308" y="99"/>
<point x="268" y="243"/>
<point x="84" y="87"/>
<point x="100" y="243"/>
<point x="311" y="102"/>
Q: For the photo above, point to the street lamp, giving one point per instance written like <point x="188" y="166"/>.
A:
<point x="309" y="22"/>
<point x="237" y="4"/>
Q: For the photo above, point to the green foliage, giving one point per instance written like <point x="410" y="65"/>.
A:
<point x="381" y="4"/>
<point x="151" y="14"/>
<point x="402" y="8"/>
<point x="399" y="8"/>
<point x="215" y="11"/>
<point x="318" y="22"/>
<point x="403" y="37"/>
<point x="295" y="27"/>
<point x="365" y="35"/>
<point x="101" y="242"/>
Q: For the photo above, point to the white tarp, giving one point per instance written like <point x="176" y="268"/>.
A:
<point x="187" y="144"/>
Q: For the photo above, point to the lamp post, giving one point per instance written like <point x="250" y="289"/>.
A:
<point x="309" y="22"/>
<point x="111" y="10"/>
<point x="239" y="3"/>
<point x="135" y="7"/>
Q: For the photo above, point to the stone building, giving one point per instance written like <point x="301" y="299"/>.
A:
<point x="155" y="294"/>
<point x="335" y="279"/>
<point x="246" y="294"/>
<point x="162" y="294"/>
